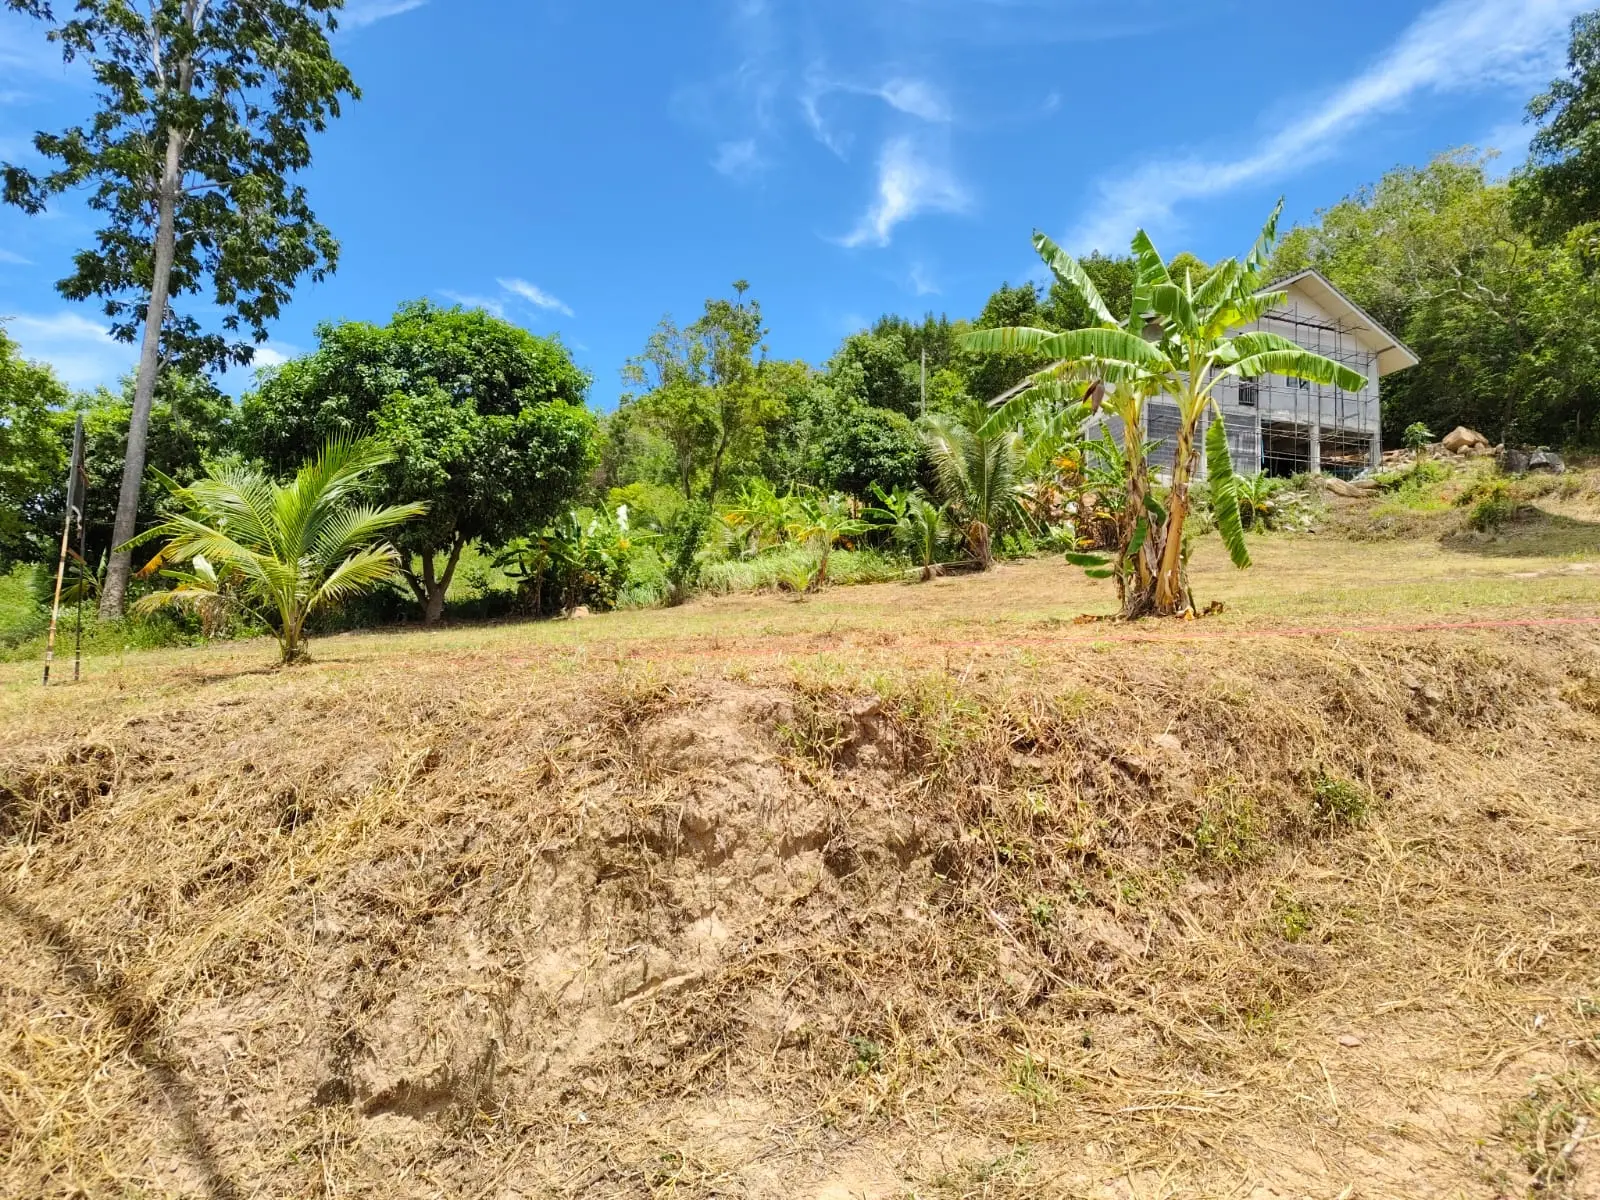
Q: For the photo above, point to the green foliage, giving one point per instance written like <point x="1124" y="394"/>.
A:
<point x="793" y="566"/>
<point x="1559" y="188"/>
<point x="1188" y="350"/>
<point x="1508" y="330"/>
<point x="22" y="616"/>
<point x="1223" y="484"/>
<point x="709" y="394"/>
<point x="871" y="446"/>
<point x="917" y="528"/>
<point x="279" y="553"/>
<point x="684" y="538"/>
<point x="204" y="110"/>
<point x="823" y="521"/>
<point x="583" y="558"/>
<point x="1337" y="800"/>
<point x="486" y="422"/>
<point x="33" y="460"/>
<point x="1492" y="506"/>
<point x="974" y="467"/>
<point x="1228" y="832"/>
<point x="1417" y="436"/>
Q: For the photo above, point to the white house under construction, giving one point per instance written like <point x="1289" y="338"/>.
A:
<point x="1281" y="425"/>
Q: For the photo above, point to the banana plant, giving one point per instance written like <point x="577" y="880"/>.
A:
<point x="1177" y="342"/>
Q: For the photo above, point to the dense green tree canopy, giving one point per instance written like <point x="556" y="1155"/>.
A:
<point x="486" y="420"/>
<point x="33" y="461"/>
<point x="1504" y="327"/>
<point x="1560" y="186"/>
<point x="708" y="396"/>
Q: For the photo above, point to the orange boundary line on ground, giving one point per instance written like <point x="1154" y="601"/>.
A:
<point x="1154" y="638"/>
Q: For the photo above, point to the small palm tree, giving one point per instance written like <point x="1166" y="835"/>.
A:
<point x="917" y="526"/>
<point x="975" y="464"/>
<point x="279" y="553"/>
<point x="824" y="520"/>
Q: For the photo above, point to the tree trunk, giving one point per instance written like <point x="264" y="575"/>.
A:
<point x="126" y="524"/>
<point x="435" y="589"/>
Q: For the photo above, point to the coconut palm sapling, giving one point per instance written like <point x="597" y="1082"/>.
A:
<point x="278" y="553"/>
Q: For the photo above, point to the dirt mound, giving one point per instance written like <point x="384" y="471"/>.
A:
<point x="1317" y="916"/>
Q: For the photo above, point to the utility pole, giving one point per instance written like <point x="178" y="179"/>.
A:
<point x="924" y="381"/>
<point x="74" y="512"/>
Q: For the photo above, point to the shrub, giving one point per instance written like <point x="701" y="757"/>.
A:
<point x="779" y="570"/>
<point x="1492" y="506"/>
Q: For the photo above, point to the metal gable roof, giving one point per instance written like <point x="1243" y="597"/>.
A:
<point x="1393" y="354"/>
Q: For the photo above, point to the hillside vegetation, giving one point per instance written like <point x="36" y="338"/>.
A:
<point x="899" y="890"/>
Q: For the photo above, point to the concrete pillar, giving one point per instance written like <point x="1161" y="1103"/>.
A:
<point x="1314" y="443"/>
<point x="1377" y="450"/>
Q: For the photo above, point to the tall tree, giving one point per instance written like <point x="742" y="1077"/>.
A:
<point x="710" y="393"/>
<point x="203" y="118"/>
<point x="1560" y="186"/>
<point x="486" y="422"/>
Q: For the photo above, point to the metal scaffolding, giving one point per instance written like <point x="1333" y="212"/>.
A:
<point x="1312" y="426"/>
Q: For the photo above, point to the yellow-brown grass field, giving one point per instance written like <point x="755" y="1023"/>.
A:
<point x="904" y="890"/>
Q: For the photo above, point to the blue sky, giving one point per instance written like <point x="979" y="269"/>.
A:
<point x="586" y="168"/>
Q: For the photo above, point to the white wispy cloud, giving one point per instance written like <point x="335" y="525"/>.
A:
<point x="1454" y="46"/>
<point x="534" y="295"/>
<point x="81" y="351"/>
<point x="922" y="282"/>
<point x="358" y="13"/>
<point x="492" y="304"/>
<point x="12" y="258"/>
<point x="910" y="182"/>
<point x="914" y="97"/>
<point x="740" y="159"/>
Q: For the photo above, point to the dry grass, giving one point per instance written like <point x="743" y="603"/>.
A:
<point x="899" y="892"/>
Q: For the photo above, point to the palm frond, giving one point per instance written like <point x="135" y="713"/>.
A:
<point x="345" y="529"/>
<point x="359" y="573"/>
<point x="1005" y="340"/>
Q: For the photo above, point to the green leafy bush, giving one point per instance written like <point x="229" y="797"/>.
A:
<point x="1492" y="505"/>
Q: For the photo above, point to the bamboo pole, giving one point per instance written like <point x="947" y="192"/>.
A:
<point x="73" y="499"/>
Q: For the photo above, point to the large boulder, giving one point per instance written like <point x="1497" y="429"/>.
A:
<point x="1546" y="460"/>
<point x="1514" y="462"/>
<point x="1360" y="490"/>
<point x="1461" y="439"/>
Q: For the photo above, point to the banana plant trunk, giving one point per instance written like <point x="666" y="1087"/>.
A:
<point x="1171" y="591"/>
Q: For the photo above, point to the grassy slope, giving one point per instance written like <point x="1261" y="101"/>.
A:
<point x="901" y="890"/>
